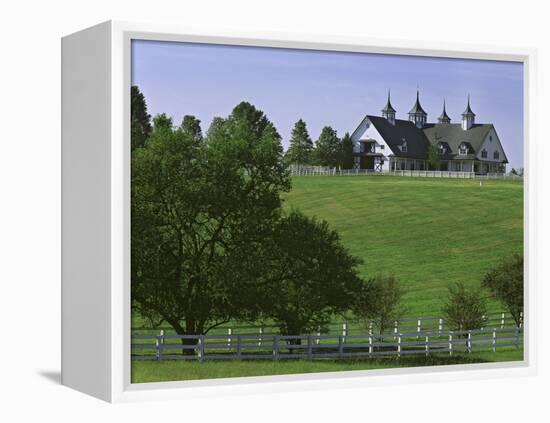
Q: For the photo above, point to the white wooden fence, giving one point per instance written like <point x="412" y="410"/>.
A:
<point x="406" y="324"/>
<point x="327" y="171"/>
<point x="252" y="346"/>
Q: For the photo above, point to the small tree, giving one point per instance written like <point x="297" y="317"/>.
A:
<point x="301" y="146"/>
<point x="347" y="152"/>
<point x="328" y="148"/>
<point x="380" y="301"/>
<point x="505" y="282"/>
<point x="434" y="159"/>
<point x="465" y="308"/>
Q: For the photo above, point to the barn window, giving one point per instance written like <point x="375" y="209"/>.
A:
<point x="463" y="150"/>
<point x="484" y="154"/>
<point x="404" y="146"/>
<point x="441" y="148"/>
<point x="496" y="155"/>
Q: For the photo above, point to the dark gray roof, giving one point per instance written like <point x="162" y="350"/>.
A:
<point x="453" y="135"/>
<point x="417" y="108"/>
<point x="417" y="143"/>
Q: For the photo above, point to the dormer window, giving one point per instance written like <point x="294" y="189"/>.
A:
<point x="462" y="150"/>
<point x="496" y="155"/>
<point x="484" y="154"/>
<point x="404" y="146"/>
<point x="441" y="148"/>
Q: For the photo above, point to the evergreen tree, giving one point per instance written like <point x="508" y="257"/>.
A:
<point x="140" y="119"/>
<point x="191" y="126"/>
<point x="347" y="152"/>
<point x="301" y="146"/>
<point x="328" y="148"/>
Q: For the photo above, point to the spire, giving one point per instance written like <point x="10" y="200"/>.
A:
<point x="417" y="108"/>
<point x="417" y="115"/>
<point x="468" y="117"/>
<point x="444" y="118"/>
<point x="388" y="111"/>
<point x="468" y="111"/>
<point x="388" y="107"/>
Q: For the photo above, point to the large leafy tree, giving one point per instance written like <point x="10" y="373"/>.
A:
<point x="505" y="282"/>
<point x="301" y="147"/>
<point x="347" y="152"/>
<point x="308" y="276"/>
<point x="140" y="119"/>
<point x="328" y="148"/>
<point x="201" y="214"/>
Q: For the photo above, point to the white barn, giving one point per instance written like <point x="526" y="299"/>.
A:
<point x="383" y="143"/>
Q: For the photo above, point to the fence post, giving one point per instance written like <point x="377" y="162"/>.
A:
<point x="469" y="343"/>
<point x="502" y="321"/>
<point x="229" y="337"/>
<point x="318" y="334"/>
<point x="159" y="345"/>
<point x="440" y="325"/>
<point x="395" y="326"/>
<point x="261" y="336"/>
<point x="370" y="327"/>
<point x="399" y="339"/>
<point x="340" y="345"/>
<point x="450" y="343"/>
<point x="276" y="347"/>
<point x="309" y="347"/>
<point x="345" y="330"/>
<point x="427" y="345"/>
<point x="494" y="340"/>
<point x="419" y="325"/>
<point x="370" y="344"/>
<point x="201" y="347"/>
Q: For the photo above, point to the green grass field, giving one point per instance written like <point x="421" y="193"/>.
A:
<point x="151" y="371"/>
<point x="427" y="232"/>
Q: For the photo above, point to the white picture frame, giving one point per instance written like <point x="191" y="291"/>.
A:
<point x="96" y="212"/>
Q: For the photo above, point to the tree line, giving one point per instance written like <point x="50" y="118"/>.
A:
<point x="328" y="150"/>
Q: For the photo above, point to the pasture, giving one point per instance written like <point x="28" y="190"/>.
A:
<point x="428" y="232"/>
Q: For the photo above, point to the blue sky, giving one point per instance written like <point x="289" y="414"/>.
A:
<point x="325" y="88"/>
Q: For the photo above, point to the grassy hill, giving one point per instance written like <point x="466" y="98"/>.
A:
<point x="428" y="232"/>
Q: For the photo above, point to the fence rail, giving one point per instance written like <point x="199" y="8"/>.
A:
<point x="325" y="171"/>
<point x="350" y="327"/>
<point x="252" y="346"/>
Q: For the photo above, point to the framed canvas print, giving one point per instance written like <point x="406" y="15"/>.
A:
<point x="259" y="210"/>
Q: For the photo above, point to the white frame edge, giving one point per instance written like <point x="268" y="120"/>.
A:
<point x="120" y="388"/>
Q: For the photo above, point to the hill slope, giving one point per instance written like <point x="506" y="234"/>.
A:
<point x="428" y="232"/>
